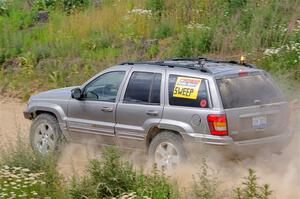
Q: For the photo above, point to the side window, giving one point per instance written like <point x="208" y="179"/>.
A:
<point x="143" y="88"/>
<point x="105" y="87"/>
<point x="187" y="91"/>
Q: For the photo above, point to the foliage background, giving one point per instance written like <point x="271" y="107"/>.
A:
<point x="81" y="37"/>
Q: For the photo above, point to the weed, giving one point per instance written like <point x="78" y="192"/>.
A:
<point x="4" y="7"/>
<point x="157" y="6"/>
<point x="235" y="5"/>
<point x="250" y="188"/>
<point x="162" y="30"/>
<point x="112" y="177"/>
<point x="205" y="185"/>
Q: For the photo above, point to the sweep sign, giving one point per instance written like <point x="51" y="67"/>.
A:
<point x="186" y="87"/>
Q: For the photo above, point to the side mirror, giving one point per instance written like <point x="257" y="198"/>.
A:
<point x="76" y="93"/>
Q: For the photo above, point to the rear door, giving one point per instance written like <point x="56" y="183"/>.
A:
<point x="188" y="103"/>
<point x="140" y="107"/>
<point x="254" y="106"/>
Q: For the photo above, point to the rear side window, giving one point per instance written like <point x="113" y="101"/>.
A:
<point x="187" y="91"/>
<point x="143" y="88"/>
<point x="248" y="91"/>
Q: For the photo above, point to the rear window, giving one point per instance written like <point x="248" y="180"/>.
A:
<point x="187" y="91"/>
<point x="248" y="91"/>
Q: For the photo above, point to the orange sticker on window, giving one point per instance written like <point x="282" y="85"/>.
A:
<point x="186" y="87"/>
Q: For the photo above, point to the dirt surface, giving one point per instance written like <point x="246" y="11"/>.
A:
<point x="281" y="171"/>
<point x="12" y="122"/>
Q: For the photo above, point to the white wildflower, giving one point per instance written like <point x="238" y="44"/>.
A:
<point x="25" y="170"/>
<point x="271" y="51"/>
<point x="139" y="11"/>
<point x="197" y="26"/>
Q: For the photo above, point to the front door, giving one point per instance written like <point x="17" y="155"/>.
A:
<point x="92" y="119"/>
<point x="140" y="107"/>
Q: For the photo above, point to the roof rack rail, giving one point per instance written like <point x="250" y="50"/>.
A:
<point x="199" y="67"/>
<point x="190" y="59"/>
<point x="204" y="59"/>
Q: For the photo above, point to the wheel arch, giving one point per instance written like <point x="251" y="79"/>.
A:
<point x="155" y="130"/>
<point x="54" y="110"/>
<point x="51" y="109"/>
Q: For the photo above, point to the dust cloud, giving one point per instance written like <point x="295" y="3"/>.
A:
<point x="280" y="171"/>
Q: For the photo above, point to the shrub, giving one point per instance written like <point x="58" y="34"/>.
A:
<point x="235" y="5"/>
<point x="184" y="47"/>
<point x="205" y="185"/>
<point x="157" y="6"/>
<point x="162" y="30"/>
<point x="112" y="177"/>
<point x="250" y="189"/>
<point x="4" y="6"/>
<point x="69" y="6"/>
<point x="152" y="51"/>
<point x="195" y="41"/>
<point x="282" y="60"/>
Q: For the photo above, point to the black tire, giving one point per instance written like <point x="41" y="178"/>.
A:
<point x="167" y="137"/>
<point x="56" y="137"/>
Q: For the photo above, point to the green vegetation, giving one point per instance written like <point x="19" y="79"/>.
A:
<point x="46" y="44"/>
<point x="111" y="177"/>
<point x="251" y="189"/>
<point x="205" y="185"/>
<point x="28" y="174"/>
<point x="24" y="173"/>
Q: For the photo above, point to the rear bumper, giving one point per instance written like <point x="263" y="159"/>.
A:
<point x="228" y="146"/>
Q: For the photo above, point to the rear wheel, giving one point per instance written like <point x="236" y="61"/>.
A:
<point x="166" y="150"/>
<point x="45" y="134"/>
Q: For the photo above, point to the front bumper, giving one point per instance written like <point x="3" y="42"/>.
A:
<point x="27" y="115"/>
<point x="226" y="145"/>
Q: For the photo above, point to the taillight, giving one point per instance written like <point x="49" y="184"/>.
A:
<point x="217" y="124"/>
<point x="243" y="73"/>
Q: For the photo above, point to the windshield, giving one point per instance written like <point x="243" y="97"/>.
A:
<point x="248" y="91"/>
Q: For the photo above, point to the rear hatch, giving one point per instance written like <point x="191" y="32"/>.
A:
<point x="254" y="106"/>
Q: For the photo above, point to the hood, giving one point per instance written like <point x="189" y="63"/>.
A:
<point x="61" y="93"/>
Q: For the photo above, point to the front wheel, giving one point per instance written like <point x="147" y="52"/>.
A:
<point x="45" y="134"/>
<point x="166" y="150"/>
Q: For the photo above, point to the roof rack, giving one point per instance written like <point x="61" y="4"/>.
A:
<point x="204" y="59"/>
<point x="199" y="67"/>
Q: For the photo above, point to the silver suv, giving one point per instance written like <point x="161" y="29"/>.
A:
<point x="161" y="106"/>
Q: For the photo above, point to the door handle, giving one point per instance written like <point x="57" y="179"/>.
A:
<point x="152" y="113"/>
<point x="106" y="109"/>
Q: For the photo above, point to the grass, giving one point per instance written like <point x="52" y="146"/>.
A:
<point x="73" y="45"/>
